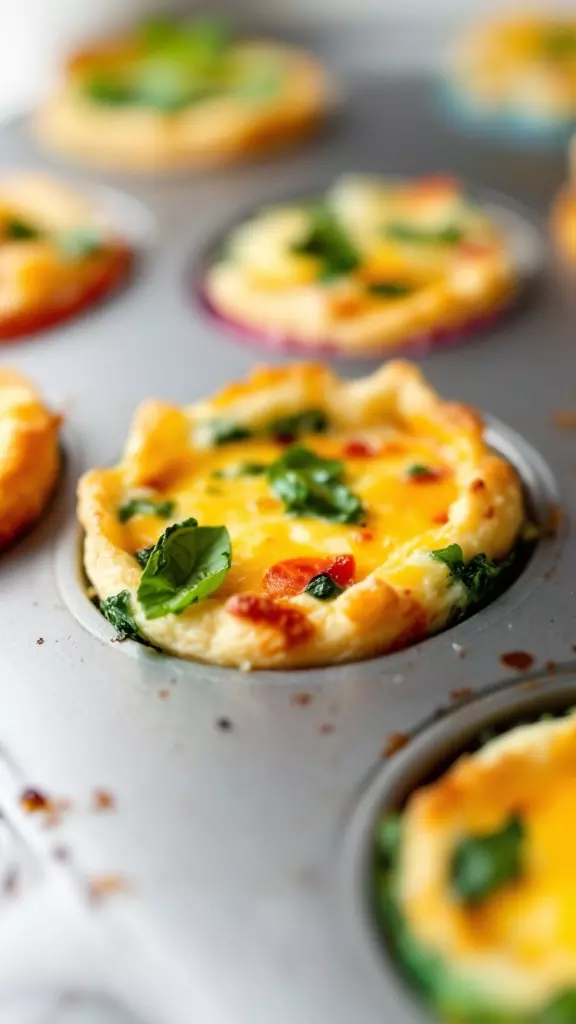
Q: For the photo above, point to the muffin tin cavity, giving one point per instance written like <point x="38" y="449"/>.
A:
<point x="425" y="755"/>
<point x="535" y="554"/>
<point x="515" y="223"/>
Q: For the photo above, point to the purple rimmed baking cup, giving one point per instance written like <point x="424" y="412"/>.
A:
<point x="421" y="343"/>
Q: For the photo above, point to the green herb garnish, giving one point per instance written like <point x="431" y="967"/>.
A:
<point x="418" y="469"/>
<point x="142" y="555"/>
<point x="107" y="91"/>
<point x="199" y="43"/>
<point x="388" y="836"/>
<point x="311" y="486"/>
<point x="118" y="611"/>
<point x="323" y="587"/>
<point x="559" y="43"/>
<point x="313" y="421"/>
<point x="16" y="230"/>
<point x="242" y="469"/>
<point x="560" y="1010"/>
<point x="186" y="565"/>
<point x="79" y="243"/>
<point x="328" y="241"/>
<point x="217" y="432"/>
<point x="145" y="507"/>
<point x="450" y="235"/>
<point x="480" y="865"/>
<point x="477" y="575"/>
<point x="389" y="289"/>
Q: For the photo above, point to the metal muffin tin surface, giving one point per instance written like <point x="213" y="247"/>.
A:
<point x="209" y="892"/>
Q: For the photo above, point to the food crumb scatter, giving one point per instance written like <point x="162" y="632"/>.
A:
<point x="301" y="700"/>
<point x="106" y="885"/>
<point x="326" y="729"/>
<point x="103" y="800"/>
<point x="163" y="694"/>
<point x="32" y="801"/>
<point x="519" y="660"/>
<point x="464" y="693"/>
<point x="40" y="641"/>
<point x="395" y="742"/>
<point x="224" y="724"/>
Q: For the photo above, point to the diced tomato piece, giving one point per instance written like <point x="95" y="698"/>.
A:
<point x="436" y="183"/>
<point x="293" y="624"/>
<point x="358" y="450"/>
<point x="475" y="248"/>
<point x="290" y="577"/>
<point x="441" y="518"/>
<point x="342" y="570"/>
<point x="284" y="579"/>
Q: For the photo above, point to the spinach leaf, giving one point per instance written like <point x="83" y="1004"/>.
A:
<point x="312" y="421"/>
<point x="323" y="587"/>
<point x="79" y="243"/>
<point x="118" y="610"/>
<point x="388" y="837"/>
<point x="107" y="90"/>
<point x="477" y="576"/>
<point x="242" y="469"/>
<point x="418" y="469"/>
<point x="311" y="486"/>
<point x="480" y="865"/>
<point x="198" y="42"/>
<point x="561" y="1009"/>
<point x="187" y="564"/>
<point x="389" y="289"/>
<point x="145" y="507"/>
<point x="450" y="235"/>
<point x="327" y="240"/>
<point x="17" y="230"/>
<point x="143" y="554"/>
<point x="219" y="432"/>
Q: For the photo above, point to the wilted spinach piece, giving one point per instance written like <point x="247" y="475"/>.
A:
<point x="186" y="565"/>
<point x="145" y="507"/>
<point x="311" y="486"/>
<point x="327" y="240"/>
<point x="482" y="864"/>
<point x="118" y="610"/>
<point x="323" y="587"/>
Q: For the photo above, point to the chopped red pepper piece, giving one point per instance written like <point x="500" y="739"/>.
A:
<point x="358" y="450"/>
<point x="291" y="577"/>
<point x="294" y="625"/>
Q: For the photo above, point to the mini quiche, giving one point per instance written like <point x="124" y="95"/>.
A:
<point x="172" y="95"/>
<point x="57" y="254"/>
<point x="371" y="265"/>
<point x="296" y="519"/>
<point x="476" y="886"/>
<point x="519" y="72"/>
<point x="564" y="214"/>
<point x="29" y="455"/>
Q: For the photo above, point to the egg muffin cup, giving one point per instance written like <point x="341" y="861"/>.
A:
<point x="515" y="77"/>
<point x="58" y="256"/>
<point x="375" y="265"/>
<point x="174" y="96"/>
<point x="471" y="882"/>
<point x="29" y="455"/>
<point x="297" y="560"/>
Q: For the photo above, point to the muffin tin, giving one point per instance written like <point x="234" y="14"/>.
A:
<point x="223" y="877"/>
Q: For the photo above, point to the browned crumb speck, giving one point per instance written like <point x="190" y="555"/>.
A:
<point x="464" y="693"/>
<point x="40" y="641"/>
<point x="519" y="660"/>
<point x="103" y="800"/>
<point x="163" y="694"/>
<point x="33" y="801"/>
<point x="106" y="885"/>
<point x="395" y="742"/>
<point x="301" y="700"/>
<point x="326" y="729"/>
<point x="565" y="419"/>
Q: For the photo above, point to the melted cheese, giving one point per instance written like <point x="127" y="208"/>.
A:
<point x="518" y="946"/>
<point x="400" y="510"/>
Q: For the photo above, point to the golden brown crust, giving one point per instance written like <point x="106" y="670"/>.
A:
<point x="212" y="132"/>
<point x="40" y="285"/>
<point x="267" y="284"/>
<point x="406" y="597"/>
<point x="563" y="222"/>
<point x="29" y="455"/>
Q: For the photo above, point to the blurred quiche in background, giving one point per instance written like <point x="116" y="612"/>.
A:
<point x="175" y="94"/>
<point x="29" y="455"/>
<point x="519" y="71"/>
<point x="58" y="254"/>
<point x="297" y="519"/>
<point x="564" y="214"/>
<point x="371" y="265"/>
